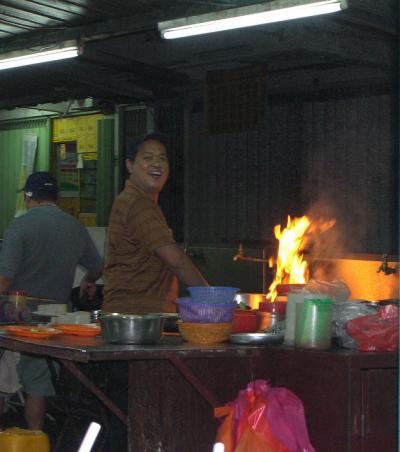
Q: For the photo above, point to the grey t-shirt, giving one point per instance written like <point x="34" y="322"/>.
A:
<point x="42" y="249"/>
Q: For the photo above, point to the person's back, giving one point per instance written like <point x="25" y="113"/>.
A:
<point x="40" y="252"/>
<point x="47" y="245"/>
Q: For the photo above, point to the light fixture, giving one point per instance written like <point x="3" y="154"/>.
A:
<point x="247" y="16"/>
<point x="51" y="52"/>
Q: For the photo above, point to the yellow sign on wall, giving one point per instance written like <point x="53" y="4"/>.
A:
<point x="82" y="129"/>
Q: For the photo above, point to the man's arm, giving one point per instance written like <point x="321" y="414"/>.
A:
<point x="177" y="261"/>
<point x="5" y="283"/>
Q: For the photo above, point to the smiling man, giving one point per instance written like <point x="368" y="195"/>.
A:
<point x="143" y="261"/>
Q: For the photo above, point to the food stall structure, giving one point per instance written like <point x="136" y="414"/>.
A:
<point x="350" y="398"/>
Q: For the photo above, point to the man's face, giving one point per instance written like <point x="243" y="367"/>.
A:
<point x="150" y="169"/>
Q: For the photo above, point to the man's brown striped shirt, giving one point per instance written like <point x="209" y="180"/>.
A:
<point x="136" y="279"/>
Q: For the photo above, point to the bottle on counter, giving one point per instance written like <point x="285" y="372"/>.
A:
<point x="294" y="298"/>
<point x="314" y="324"/>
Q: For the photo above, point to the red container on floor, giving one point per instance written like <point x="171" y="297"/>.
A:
<point x="245" y="321"/>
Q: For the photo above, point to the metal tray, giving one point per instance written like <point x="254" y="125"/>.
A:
<point x="256" y="338"/>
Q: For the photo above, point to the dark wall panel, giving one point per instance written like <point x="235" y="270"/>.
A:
<point x="335" y="156"/>
<point x="348" y="155"/>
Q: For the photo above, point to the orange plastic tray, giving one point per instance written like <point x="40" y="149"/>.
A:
<point x="33" y="332"/>
<point x="79" y="330"/>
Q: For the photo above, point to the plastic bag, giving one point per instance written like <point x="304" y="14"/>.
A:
<point x="342" y="313"/>
<point x="337" y="290"/>
<point x="10" y="313"/>
<point x="264" y="419"/>
<point x="379" y="332"/>
<point x="9" y="381"/>
<point x="285" y="413"/>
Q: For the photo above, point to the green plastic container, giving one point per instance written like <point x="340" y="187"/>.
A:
<point x="314" y="324"/>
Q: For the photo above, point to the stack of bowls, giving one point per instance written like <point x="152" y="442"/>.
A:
<point x="206" y="317"/>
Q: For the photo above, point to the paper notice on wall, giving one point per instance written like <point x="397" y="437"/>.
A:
<point x="29" y="148"/>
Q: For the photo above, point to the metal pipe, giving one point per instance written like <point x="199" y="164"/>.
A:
<point x="251" y="259"/>
<point x="264" y="273"/>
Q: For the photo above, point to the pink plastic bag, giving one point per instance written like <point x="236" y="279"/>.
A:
<point x="265" y="419"/>
<point x="285" y="413"/>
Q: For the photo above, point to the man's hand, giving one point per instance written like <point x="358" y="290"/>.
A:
<point x="87" y="289"/>
<point x="88" y="285"/>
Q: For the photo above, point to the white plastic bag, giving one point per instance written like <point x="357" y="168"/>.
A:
<point x="9" y="381"/>
<point x="337" y="290"/>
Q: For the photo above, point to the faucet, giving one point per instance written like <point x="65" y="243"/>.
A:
<point x="240" y="256"/>
<point x="385" y="267"/>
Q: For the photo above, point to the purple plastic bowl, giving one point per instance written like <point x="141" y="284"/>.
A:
<point x="190" y="311"/>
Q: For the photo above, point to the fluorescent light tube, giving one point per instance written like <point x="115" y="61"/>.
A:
<point x="247" y="16"/>
<point x="26" y="57"/>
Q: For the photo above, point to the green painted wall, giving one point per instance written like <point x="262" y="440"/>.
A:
<point x="11" y="139"/>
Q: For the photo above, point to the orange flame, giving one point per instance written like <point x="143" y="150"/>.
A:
<point x="291" y="268"/>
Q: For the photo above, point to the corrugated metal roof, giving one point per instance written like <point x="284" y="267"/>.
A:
<point x="125" y="59"/>
<point x="23" y="16"/>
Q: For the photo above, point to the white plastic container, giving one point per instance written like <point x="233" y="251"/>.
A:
<point x="75" y="318"/>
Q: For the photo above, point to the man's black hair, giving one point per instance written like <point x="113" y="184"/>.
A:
<point x="134" y="144"/>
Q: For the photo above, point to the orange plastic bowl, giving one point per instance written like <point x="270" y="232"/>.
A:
<point x="245" y="321"/>
<point x="205" y="333"/>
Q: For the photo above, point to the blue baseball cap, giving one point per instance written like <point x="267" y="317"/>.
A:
<point x="41" y="185"/>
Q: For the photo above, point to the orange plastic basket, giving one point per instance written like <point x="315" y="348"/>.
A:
<point x="205" y="333"/>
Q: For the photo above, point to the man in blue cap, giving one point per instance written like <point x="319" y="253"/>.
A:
<point x="39" y="256"/>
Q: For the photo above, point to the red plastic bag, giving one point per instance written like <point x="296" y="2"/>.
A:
<point x="379" y="332"/>
<point x="264" y="419"/>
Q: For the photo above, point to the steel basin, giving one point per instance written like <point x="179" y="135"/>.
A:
<point x="132" y="329"/>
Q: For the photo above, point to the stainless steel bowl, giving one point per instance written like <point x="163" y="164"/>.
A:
<point x="132" y="329"/>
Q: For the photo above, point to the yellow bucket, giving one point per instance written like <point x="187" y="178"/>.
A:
<point x="16" y="439"/>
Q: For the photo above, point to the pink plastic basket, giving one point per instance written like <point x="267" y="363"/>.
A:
<point x="212" y="294"/>
<point x="190" y="311"/>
